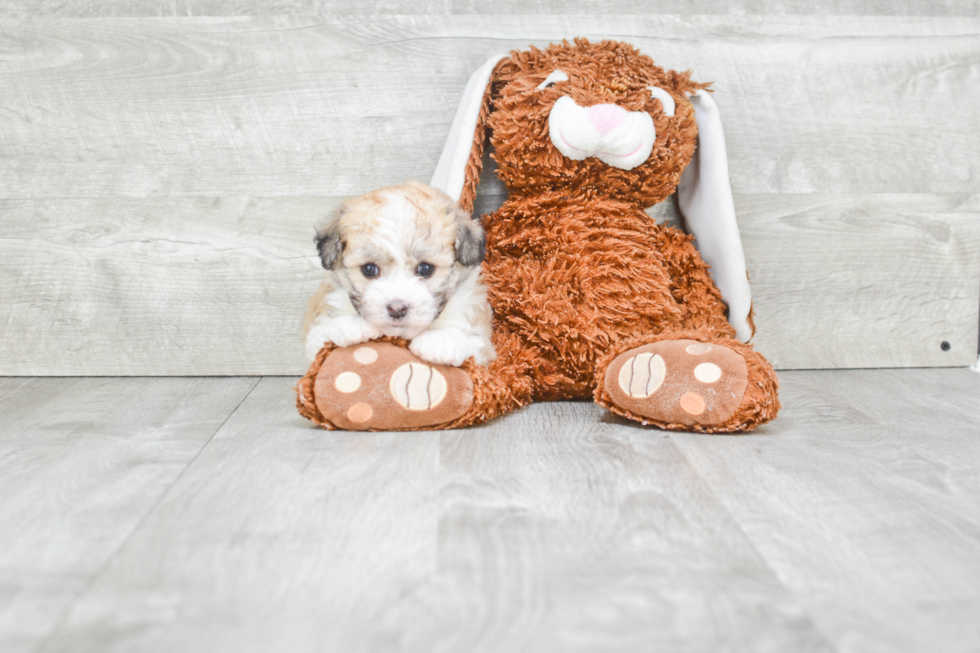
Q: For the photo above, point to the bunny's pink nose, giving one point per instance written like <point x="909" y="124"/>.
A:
<point x="607" y="117"/>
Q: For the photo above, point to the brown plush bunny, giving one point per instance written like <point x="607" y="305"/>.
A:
<point x="591" y="297"/>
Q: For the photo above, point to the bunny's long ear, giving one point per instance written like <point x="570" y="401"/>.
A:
<point x="705" y="198"/>
<point x="458" y="171"/>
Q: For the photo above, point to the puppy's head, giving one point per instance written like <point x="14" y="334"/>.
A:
<point x="400" y="252"/>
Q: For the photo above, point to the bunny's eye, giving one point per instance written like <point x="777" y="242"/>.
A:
<point x="664" y="97"/>
<point x="552" y="79"/>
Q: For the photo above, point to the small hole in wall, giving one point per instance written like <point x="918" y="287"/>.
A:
<point x="944" y="346"/>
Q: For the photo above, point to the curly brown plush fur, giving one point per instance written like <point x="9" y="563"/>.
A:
<point x="576" y="270"/>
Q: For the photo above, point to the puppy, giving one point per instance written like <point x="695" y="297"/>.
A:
<point x="402" y="261"/>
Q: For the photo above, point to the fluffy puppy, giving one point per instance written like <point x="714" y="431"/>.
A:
<point x="402" y="261"/>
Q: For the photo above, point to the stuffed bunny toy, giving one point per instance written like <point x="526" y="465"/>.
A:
<point x="591" y="297"/>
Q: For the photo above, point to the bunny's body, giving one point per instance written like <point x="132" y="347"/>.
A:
<point x="567" y="301"/>
<point x="591" y="297"/>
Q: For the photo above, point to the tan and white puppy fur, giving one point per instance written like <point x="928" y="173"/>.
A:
<point x="402" y="261"/>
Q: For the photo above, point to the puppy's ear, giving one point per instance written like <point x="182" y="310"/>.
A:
<point x="328" y="241"/>
<point x="471" y="243"/>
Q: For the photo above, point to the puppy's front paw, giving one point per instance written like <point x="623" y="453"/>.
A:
<point x="342" y="331"/>
<point x="348" y="330"/>
<point x="315" y="339"/>
<point x="446" y="346"/>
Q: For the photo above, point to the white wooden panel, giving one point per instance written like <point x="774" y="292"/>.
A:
<point x="131" y="8"/>
<point x="864" y="281"/>
<point x="334" y="106"/>
<point x="301" y="107"/>
<point x="733" y="7"/>
<point x="218" y="286"/>
<point x="548" y="531"/>
<point x="82" y="462"/>
<point x="21" y="9"/>
<point x="156" y="286"/>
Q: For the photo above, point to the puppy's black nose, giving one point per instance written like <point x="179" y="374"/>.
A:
<point x="397" y="309"/>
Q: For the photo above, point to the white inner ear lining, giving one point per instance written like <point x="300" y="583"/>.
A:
<point x="554" y="77"/>
<point x="664" y="97"/>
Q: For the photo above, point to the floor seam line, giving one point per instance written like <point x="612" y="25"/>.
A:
<point x="139" y="525"/>
<point x="765" y="562"/>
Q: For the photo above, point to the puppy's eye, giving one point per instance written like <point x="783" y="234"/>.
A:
<point x="552" y="79"/>
<point x="425" y="270"/>
<point x="370" y="270"/>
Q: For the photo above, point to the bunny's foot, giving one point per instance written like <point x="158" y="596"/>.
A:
<point x="714" y="385"/>
<point x="379" y="386"/>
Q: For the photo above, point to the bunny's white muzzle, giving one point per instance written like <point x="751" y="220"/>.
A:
<point x="620" y="138"/>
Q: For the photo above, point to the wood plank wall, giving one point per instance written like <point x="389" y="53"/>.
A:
<point x="162" y="164"/>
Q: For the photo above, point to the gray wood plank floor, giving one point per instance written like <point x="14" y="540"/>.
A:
<point x="205" y="515"/>
<point x="82" y="462"/>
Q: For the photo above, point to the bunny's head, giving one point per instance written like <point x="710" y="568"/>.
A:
<point x="597" y="116"/>
<point x="603" y="117"/>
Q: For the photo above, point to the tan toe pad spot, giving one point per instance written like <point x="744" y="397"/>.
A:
<point x="365" y="355"/>
<point x="692" y="403"/>
<point x="707" y="372"/>
<point x="359" y="413"/>
<point x="347" y="382"/>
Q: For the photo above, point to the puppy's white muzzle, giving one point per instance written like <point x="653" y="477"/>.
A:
<point x="398" y="304"/>
<point x="620" y="138"/>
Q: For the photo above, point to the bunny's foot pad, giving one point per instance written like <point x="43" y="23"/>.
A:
<point x="678" y="382"/>
<point x="379" y="387"/>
